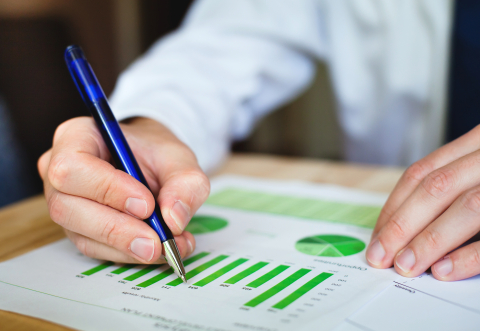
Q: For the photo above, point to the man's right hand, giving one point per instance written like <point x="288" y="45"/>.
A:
<point x="101" y="208"/>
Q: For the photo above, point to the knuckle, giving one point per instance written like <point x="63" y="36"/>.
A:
<point x="386" y="212"/>
<point x="84" y="246"/>
<point x="471" y="201"/>
<point x="439" y="183"/>
<point x="194" y="183"/>
<point x="433" y="239"/>
<point x="58" y="171"/>
<point x="200" y="183"/>
<point x="110" y="232"/>
<point x="59" y="211"/>
<point x="473" y="260"/>
<point x="417" y="171"/>
<point x="106" y="189"/>
<point x="475" y="257"/>
<point x="55" y="208"/>
<point x="397" y="227"/>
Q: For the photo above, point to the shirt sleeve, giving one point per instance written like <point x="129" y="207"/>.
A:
<point x="229" y="64"/>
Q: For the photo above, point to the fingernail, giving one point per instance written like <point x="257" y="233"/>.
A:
<point x="180" y="214"/>
<point x="190" y="246"/>
<point x="406" y="260"/>
<point x="443" y="267"/>
<point x="136" y="207"/>
<point x="375" y="253"/>
<point x="144" y="248"/>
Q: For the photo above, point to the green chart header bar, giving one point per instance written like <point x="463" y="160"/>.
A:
<point x="312" y="209"/>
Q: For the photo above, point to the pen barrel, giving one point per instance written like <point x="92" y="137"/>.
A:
<point x="83" y="76"/>
<point x="124" y="159"/>
<point x="97" y="104"/>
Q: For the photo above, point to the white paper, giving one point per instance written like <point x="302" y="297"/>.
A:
<point x="48" y="283"/>
<point x="421" y="303"/>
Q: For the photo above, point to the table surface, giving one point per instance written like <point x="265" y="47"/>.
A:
<point x="26" y="225"/>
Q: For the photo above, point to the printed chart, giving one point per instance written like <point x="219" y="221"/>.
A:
<point x="205" y="224"/>
<point x="236" y="264"/>
<point x="330" y="245"/>
<point x="315" y="209"/>
<point x="268" y="263"/>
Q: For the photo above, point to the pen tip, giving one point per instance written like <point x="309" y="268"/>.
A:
<point x="184" y="279"/>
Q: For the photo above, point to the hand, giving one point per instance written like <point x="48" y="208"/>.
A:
<point x="101" y="208"/>
<point x="434" y="209"/>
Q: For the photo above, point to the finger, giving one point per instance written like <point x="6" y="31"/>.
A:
<point x="412" y="177"/>
<point x="77" y="169"/>
<point x="460" y="264"/>
<point x="454" y="227"/>
<point x="97" y="250"/>
<point x="105" y="225"/>
<point x="87" y="176"/>
<point x="181" y="196"/>
<point x="111" y="227"/>
<point x="427" y="202"/>
<point x="80" y="135"/>
<point x="184" y="186"/>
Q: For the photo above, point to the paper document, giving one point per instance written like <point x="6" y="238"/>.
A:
<point x="270" y="255"/>
<point x="421" y="303"/>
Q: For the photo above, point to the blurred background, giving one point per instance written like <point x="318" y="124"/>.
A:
<point x="37" y="94"/>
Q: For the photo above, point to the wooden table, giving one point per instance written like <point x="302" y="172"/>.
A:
<point x="26" y="225"/>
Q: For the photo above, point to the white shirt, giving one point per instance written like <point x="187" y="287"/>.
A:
<point x="234" y="61"/>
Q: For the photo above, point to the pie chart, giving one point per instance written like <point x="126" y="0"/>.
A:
<point x="204" y="224"/>
<point x="330" y="245"/>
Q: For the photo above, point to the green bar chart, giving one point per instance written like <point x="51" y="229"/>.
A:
<point x="98" y="268"/>
<point x="269" y="292"/>
<point x="247" y="272"/>
<point x="302" y="290"/>
<point x="217" y="274"/>
<point x="198" y="270"/>
<point x="169" y="271"/>
<point x="277" y="288"/>
<point x="268" y="276"/>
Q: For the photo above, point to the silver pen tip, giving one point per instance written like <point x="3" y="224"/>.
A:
<point x="172" y="255"/>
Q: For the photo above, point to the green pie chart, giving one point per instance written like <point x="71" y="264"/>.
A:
<point x="330" y="245"/>
<point x="205" y="224"/>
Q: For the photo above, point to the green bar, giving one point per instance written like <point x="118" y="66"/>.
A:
<point x="123" y="269"/>
<point x="157" y="278"/>
<point x="194" y="258"/>
<point x="302" y="290"/>
<point x="220" y="272"/>
<point x="98" y="268"/>
<point x="308" y="208"/>
<point x="269" y="275"/>
<point x="142" y="272"/>
<point x="169" y="271"/>
<point x="277" y="288"/>
<point x="245" y="273"/>
<point x="197" y="270"/>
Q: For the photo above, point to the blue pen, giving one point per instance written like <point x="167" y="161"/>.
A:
<point x="97" y="104"/>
